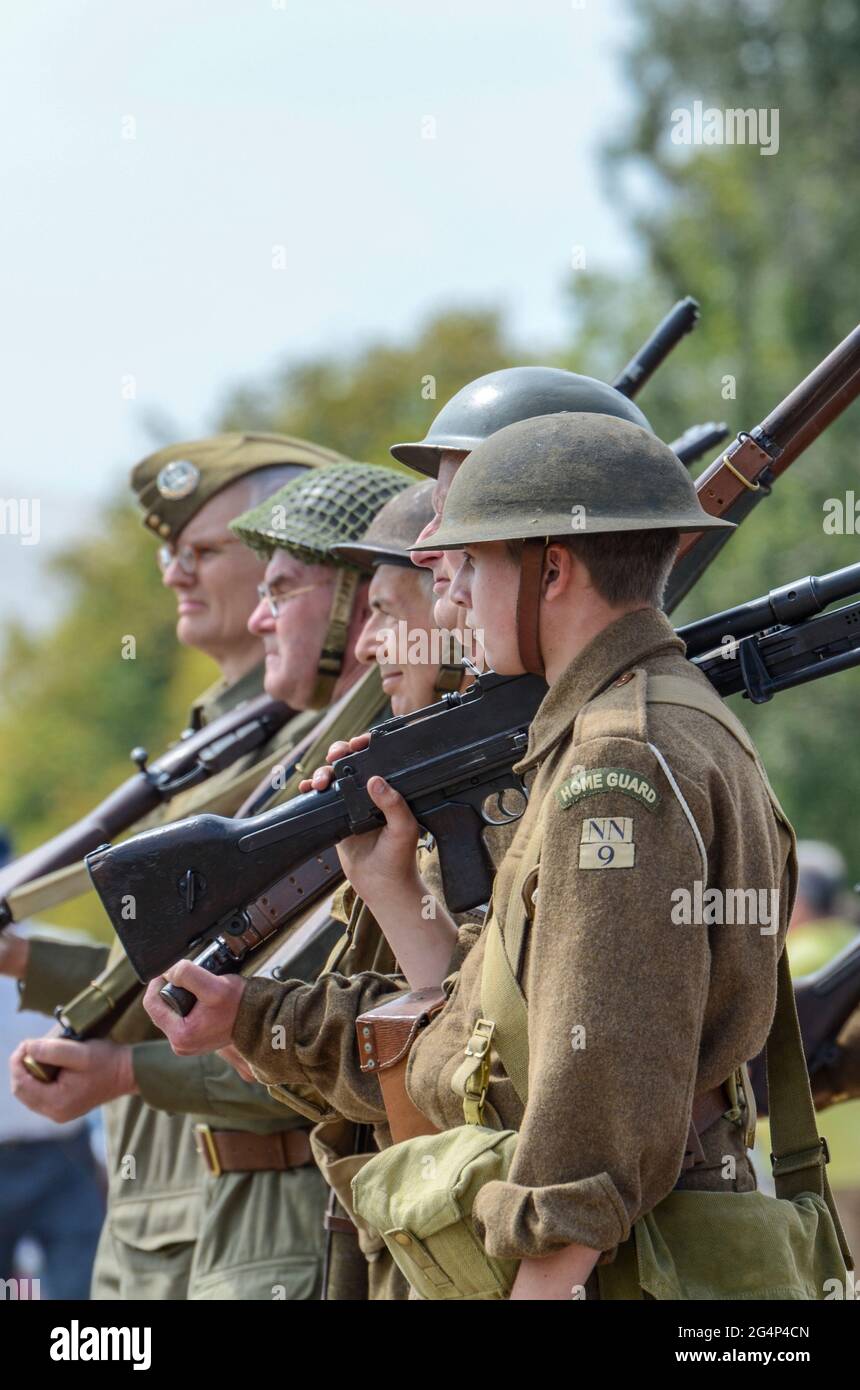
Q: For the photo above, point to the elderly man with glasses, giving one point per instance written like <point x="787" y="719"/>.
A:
<point x="179" y="1226"/>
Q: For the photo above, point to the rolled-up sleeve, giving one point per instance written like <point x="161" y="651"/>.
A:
<point x="299" y="1034"/>
<point x="616" y="992"/>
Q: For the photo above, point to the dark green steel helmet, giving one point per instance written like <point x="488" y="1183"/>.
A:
<point x="392" y="532"/>
<point x="568" y="474"/>
<point x="502" y="398"/>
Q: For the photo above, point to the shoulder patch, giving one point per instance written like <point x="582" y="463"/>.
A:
<point x="591" y="781"/>
<point x="607" y="843"/>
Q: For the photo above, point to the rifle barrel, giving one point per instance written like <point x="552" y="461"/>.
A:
<point x="791" y="603"/>
<point x="680" y="320"/>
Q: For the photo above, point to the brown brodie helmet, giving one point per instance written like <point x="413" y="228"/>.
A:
<point x="558" y="475"/>
<point x="388" y="541"/>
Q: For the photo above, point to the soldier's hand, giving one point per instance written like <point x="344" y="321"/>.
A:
<point x="209" y="1026"/>
<point x="91" y="1074"/>
<point x="320" y="780"/>
<point x="381" y="863"/>
<point x="844" y="1074"/>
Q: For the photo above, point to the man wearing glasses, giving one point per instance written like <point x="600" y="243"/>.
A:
<point x="167" y="1234"/>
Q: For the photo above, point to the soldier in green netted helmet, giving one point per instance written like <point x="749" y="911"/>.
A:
<point x="313" y="602"/>
<point x="241" y="1218"/>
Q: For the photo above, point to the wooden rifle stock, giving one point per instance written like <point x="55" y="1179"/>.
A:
<point x="742" y="476"/>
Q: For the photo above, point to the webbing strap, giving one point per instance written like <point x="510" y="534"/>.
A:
<point x="334" y="643"/>
<point x="42" y="893"/>
<point x="353" y="714"/>
<point x="503" y="1001"/>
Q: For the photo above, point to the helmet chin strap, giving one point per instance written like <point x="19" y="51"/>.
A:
<point x="334" y="644"/>
<point x="451" y="672"/>
<point x="528" y="606"/>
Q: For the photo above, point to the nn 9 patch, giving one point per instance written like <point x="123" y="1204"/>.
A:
<point x="607" y="843"/>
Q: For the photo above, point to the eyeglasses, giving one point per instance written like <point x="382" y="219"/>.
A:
<point x="277" y="594"/>
<point x="188" y="557"/>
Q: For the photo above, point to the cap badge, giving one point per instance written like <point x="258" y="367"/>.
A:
<point x="178" y="479"/>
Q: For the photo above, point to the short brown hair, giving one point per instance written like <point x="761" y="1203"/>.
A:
<point x="624" y="566"/>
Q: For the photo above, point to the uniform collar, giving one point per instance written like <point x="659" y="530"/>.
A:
<point x="613" y="651"/>
<point x="221" y="696"/>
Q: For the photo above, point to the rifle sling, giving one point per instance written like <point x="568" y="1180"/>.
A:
<point x="274" y="908"/>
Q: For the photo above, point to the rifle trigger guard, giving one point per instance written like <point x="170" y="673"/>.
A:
<point x="504" y="816"/>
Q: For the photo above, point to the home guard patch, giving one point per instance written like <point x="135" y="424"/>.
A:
<point x="590" y="781"/>
<point x="607" y="843"/>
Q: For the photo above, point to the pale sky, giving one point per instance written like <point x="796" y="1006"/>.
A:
<point x="154" y="154"/>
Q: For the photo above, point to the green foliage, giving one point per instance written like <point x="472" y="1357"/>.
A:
<point x="73" y="704"/>
<point x="363" y="403"/>
<point x="767" y="244"/>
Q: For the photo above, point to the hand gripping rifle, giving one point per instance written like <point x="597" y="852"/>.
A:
<point x="97" y="1009"/>
<point x="198" y="755"/>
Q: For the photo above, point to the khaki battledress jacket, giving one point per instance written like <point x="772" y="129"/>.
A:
<point x="172" y="1231"/>
<point x="658" y="882"/>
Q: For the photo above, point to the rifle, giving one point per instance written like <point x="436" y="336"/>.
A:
<point x="697" y="440"/>
<point x="736" y="654"/>
<point x="195" y="877"/>
<point x="98" y="1008"/>
<point x="680" y="320"/>
<point x="744" y="475"/>
<point x="192" y="879"/>
<point x="824" y="1000"/>
<point x="198" y="755"/>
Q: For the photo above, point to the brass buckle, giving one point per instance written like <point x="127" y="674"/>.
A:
<point x="478" y="1080"/>
<point x="204" y="1141"/>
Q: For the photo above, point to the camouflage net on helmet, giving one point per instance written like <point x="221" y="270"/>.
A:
<point x="329" y="506"/>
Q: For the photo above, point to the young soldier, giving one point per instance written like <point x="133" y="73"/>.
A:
<point x="257" y="1150"/>
<point x="646" y="791"/>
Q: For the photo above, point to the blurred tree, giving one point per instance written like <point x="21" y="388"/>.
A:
<point x="767" y="244"/>
<point x="365" y="402"/>
<point x="72" y="704"/>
